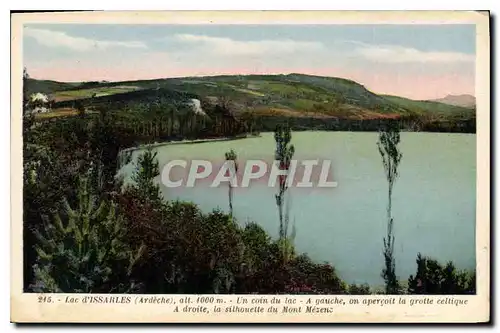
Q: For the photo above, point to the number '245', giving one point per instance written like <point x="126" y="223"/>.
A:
<point x="44" y="299"/>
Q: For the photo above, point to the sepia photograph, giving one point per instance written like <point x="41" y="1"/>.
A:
<point x="217" y="166"/>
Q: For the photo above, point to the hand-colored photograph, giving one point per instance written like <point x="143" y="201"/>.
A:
<point x="328" y="159"/>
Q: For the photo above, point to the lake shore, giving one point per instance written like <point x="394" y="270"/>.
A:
<point x="167" y="143"/>
<point x="429" y="164"/>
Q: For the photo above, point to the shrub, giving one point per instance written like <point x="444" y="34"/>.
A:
<point x="187" y="251"/>
<point x="314" y="278"/>
<point x="362" y="289"/>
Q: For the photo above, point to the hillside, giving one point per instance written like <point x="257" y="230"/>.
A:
<point x="432" y="108"/>
<point x="48" y="87"/>
<point x="465" y="100"/>
<point x="292" y="95"/>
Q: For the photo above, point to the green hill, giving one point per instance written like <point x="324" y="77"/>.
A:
<point x="48" y="87"/>
<point x="431" y="107"/>
<point x="292" y="95"/>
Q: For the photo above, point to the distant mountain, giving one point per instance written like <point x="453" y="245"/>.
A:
<point x="466" y="101"/>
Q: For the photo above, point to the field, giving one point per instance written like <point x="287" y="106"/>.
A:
<point x="59" y="113"/>
<point x="68" y="95"/>
<point x="56" y="113"/>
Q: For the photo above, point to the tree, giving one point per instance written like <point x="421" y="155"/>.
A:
<point x="434" y="279"/>
<point x="231" y="157"/>
<point x="388" y="141"/>
<point x="42" y="190"/>
<point x="107" y="141"/>
<point x="26" y="77"/>
<point x="283" y="154"/>
<point x="28" y="117"/>
<point x="80" y="108"/>
<point x="146" y="171"/>
<point x="82" y="249"/>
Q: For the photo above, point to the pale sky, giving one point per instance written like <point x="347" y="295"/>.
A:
<point x="415" y="61"/>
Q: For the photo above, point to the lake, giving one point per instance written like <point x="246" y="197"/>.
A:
<point x="434" y="198"/>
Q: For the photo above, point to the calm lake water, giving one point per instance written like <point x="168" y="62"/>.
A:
<point x="433" y="205"/>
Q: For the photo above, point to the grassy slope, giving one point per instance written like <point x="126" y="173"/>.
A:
<point x="88" y="92"/>
<point x="290" y="95"/>
<point x="434" y="108"/>
<point x="47" y="86"/>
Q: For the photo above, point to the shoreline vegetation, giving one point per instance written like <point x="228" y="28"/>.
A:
<point x="87" y="232"/>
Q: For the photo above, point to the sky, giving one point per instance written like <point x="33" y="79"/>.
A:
<point x="414" y="61"/>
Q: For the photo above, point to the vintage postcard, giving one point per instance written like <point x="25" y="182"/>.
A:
<point x="280" y="167"/>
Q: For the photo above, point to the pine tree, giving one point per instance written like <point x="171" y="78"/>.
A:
<point x="391" y="157"/>
<point x="146" y="170"/>
<point x="81" y="249"/>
